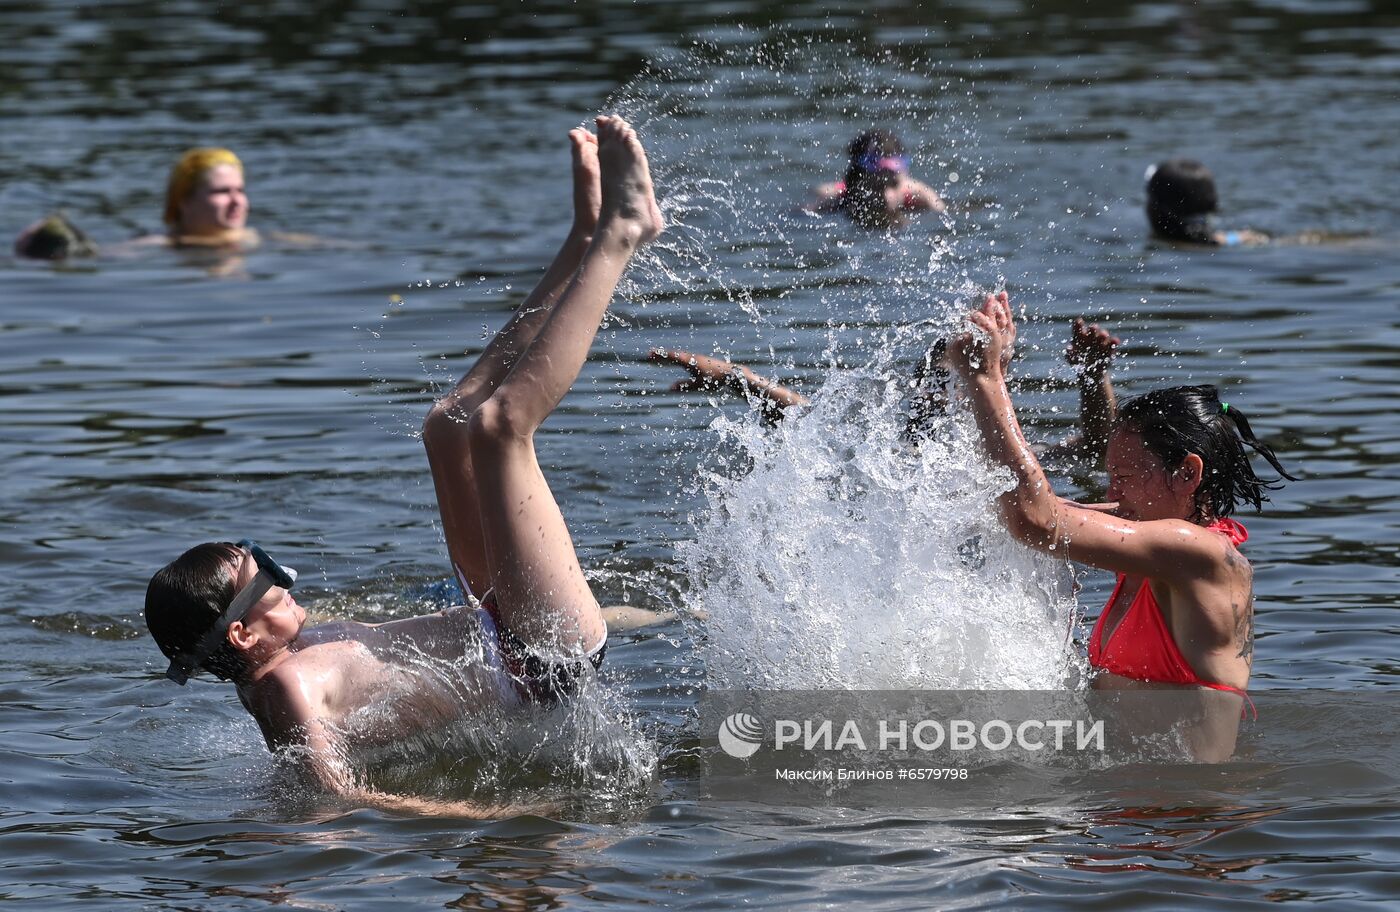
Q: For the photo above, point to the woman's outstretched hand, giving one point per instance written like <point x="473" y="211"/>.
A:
<point x="985" y="350"/>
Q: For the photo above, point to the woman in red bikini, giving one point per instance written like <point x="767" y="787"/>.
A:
<point x="1182" y="614"/>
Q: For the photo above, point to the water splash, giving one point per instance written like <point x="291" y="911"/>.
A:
<point x="588" y="745"/>
<point x="447" y="723"/>
<point x="838" y="553"/>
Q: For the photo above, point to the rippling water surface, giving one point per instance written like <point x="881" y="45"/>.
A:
<point x="154" y="401"/>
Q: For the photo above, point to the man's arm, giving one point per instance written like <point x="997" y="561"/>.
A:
<point x="292" y="721"/>
<point x="1091" y="349"/>
<point x="709" y="373"/>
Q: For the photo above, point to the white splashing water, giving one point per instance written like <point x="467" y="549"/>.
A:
<point x="588" y="743"/>
<point x="848" y="557"/>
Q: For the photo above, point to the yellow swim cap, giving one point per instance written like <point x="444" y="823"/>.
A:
<point x="187" y="171"/>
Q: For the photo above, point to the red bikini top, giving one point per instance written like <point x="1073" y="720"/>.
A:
<point x="1141" y="646"/>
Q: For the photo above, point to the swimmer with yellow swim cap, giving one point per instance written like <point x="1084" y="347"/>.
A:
<point x="206" y="205"/>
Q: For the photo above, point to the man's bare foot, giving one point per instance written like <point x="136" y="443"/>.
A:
<point x="588" y="193"/>
<point x="629" y="203"/>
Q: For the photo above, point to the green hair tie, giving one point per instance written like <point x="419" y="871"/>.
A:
<point x="1224" y="407"/>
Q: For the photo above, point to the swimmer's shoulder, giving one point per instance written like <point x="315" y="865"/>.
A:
<point x="327" y="680"/>
<point x="301" y="239"/>
<point x="826" y="197"/>
<point x="331" y="632"/>
<point x="282" y="704"/>
<point x="242" y="240"/>
<point x="330" y="652"/>
<point x="146" y="241"/>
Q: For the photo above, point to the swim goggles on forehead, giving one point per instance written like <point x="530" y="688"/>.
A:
<point x="875" y="161"/>
<point x="270" y="573"/>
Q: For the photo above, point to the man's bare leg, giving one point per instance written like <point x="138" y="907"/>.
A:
<point x="541" y="591"/>
<point x="445" y="430"/>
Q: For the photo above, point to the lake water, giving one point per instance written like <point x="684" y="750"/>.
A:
<point x="152" y="402"/>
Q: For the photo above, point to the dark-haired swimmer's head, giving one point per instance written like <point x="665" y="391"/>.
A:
<point x="53" y="237"/>
<point x="185" y="598"/>
<point x="877" y="164"/>
<point x="1180" y="199"/>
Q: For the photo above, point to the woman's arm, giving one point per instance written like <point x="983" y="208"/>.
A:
<point x="1091" y="349"/>
<point x="920" y="197"/>
<point x="825" y="198"/>
<point x="1161" y="549"/>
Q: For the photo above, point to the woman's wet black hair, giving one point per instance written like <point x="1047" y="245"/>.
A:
<point x="186" y="597"/>
<point x="864" y="196"/>
<point x="1191" y="419"/>
<point x="1180" y="197"/>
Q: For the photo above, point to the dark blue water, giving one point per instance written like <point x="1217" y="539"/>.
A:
<point x="152" y="402"/>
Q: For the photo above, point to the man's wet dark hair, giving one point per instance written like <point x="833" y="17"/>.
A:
<point x="864" y="197"/>
<point x="54" y="238"/>
<point x="928" y="401"/>
<point x="1191" y="419"/>
<point x="1180" y="197"/>
<point x="186" y="597"/>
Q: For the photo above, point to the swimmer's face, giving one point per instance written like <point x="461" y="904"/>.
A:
<point x="1138" y="481"/>
<point x="277" y="619"/>
<point x="217" y="204"/>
